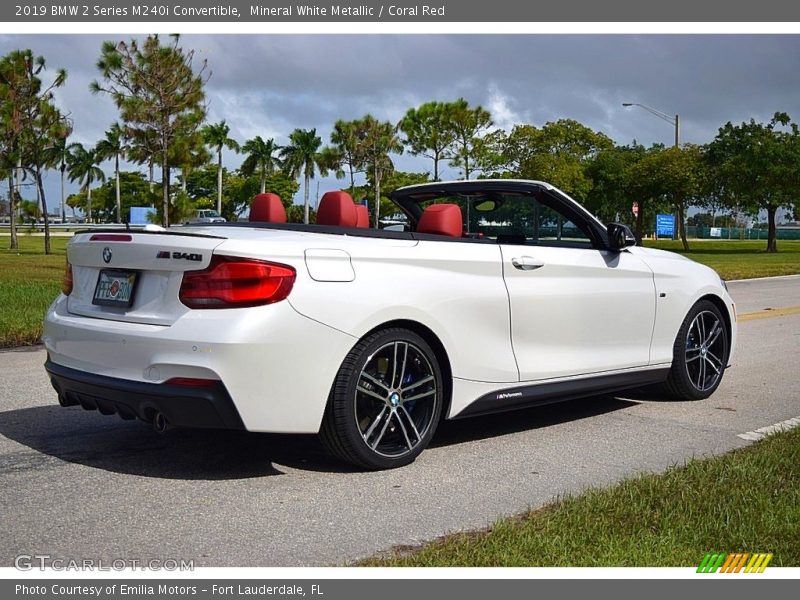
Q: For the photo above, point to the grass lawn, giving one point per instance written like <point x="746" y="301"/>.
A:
<point x="29" y="281"/>
<point x="746" y="501"/>
<point x="740" y="259"/>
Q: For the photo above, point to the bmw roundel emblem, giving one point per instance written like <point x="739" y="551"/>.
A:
<point x="107" y="254"/>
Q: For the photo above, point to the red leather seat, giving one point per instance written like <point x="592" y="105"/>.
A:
<point x="441" y="219"/>
<point x="337" y="208"/>
<point x="362" y="213"/>
<point x="267" y="208"/>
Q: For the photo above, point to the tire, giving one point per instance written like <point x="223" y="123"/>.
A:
<point x="700" y="354"/>
<point x="377" y="417"/>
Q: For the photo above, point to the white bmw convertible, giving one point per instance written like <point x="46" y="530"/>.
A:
<point x="497" y="295"/>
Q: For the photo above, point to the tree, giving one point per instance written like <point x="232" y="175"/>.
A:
<point x="139" y="151"/>
<point x="429" y="132"/>
<point x="189" y="153"/>
<point x="34" y="122"/>
<point x="558" y="153"/>
<point x="757" y="166"/>
<point x="134" y="189"/>
<point x="301" y="157"/>
<point x="216" y="136"/>
<point x="8" y="164"/>
<point x="678" y="173"/>
<point x="378" y="140"/>
<point x="82" y="167"/>
<point x="646" y="184"/>
<point x="56" y="157"/>
<point x="113" y="146"/>
<point x="260" y="157"/>
<point x="241" y="189"/>
<point x="346" y="137"/>
<point x="612" y="191"/>
<point x="158" y="93"/>
<point x="31" y="210"/>
<point x="468" y="127"/>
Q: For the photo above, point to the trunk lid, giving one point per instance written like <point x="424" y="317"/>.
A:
<point x="153" y="263"/>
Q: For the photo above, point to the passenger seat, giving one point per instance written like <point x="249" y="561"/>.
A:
<point x="267" y="208"/>
<point x="363" y="216"/>
<point x="442" y="219"/>
<point x="337" y="209"/>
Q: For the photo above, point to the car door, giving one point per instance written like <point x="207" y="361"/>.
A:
<point x="575" y="309"/>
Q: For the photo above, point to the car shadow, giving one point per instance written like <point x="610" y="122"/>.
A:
<point x="488" y="426"/>
<point x="133" y="448"/>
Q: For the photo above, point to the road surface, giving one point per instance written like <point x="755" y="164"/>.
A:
<point x="79" y="485"/>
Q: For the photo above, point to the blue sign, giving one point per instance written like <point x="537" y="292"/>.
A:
<point x="665" y="226"/>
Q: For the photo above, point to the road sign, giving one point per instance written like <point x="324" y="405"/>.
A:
<point x="665" y="226"/>
<point x="635" y="209"/>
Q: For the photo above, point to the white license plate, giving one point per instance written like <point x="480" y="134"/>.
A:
<point x="115" y="288"/>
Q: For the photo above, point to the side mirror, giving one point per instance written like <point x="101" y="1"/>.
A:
<point x="620" y="236"/>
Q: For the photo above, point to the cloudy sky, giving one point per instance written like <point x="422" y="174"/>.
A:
<point x="268" y="85"/>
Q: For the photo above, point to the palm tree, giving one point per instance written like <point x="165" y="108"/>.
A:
<point x="260" y="156"/>
<point x="301" y="156"/>
<point x="215" y="135"/>
<point x="82" y="167"/>
<point x="57" y="156"/>
<point x="113" y="146"/>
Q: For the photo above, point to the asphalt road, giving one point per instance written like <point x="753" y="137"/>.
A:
<point x="76" y="484"/>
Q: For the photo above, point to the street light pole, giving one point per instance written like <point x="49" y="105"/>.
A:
<point x="676" y="120"/>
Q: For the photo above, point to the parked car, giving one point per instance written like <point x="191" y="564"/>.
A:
<point x="206" y="216"/>
<point x="501" y="295"/>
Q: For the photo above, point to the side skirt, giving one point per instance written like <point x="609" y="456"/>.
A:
<point x="548" y="393"/>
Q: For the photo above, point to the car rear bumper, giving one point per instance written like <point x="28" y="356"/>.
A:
<point x="276" y="365"/>
<point x="202" y="407"/>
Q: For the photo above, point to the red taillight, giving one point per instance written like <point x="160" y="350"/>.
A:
<point x="111" y="237"/>
<point x="236" y="283"/>
<point x="66" y="283"/>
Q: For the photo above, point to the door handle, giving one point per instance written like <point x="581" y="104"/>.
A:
<point x="526" y="263"/>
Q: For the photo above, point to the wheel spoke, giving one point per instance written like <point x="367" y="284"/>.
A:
<point x="701" y="375"/>
<point x="377" y="382"/>
<point x="381" y="434"/>
<point x="411" y="422"/>
<point x="696" y="327"/>
<point x="713" y="366"/>
<point x="714" y="334"/>
<point x="370" y="393"/>
<point x="418" y="396"/>
<point x="702" y="326"/>
<point x="374" y="424"/>
<point x="394" y="363"/>
<point x="714" y="356"/>
<point x="403" y="427"/>
<point x="695" y="357"/>
<point x="417" y="384"/>
<point x="402" y="366"/>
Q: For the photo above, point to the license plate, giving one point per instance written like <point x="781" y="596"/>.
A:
<point x="115" y="288"/>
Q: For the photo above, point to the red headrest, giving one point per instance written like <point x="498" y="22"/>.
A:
<point x="362" y="212"/>
<point x="267" y="207"/>
<point x="443" y="219"/>
<point x="337" y="208"/>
